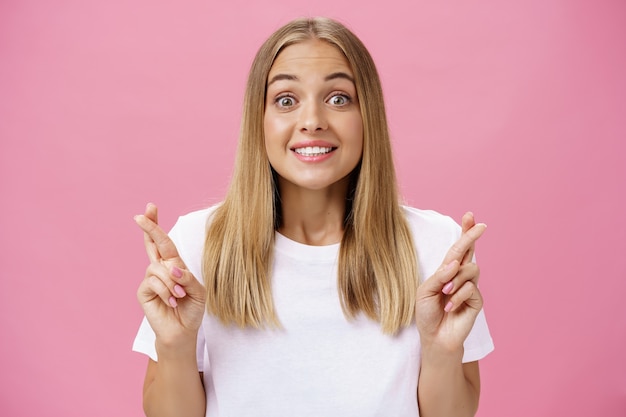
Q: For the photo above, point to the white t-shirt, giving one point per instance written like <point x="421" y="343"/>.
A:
<point x="319" y="364"/>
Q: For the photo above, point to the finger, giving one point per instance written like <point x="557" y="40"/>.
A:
<point x="164" y="245"/>
<point x="468" y="295"/>
<point x="467" y="222"/>
<point x="460" y="247"/>
<point x="169" y="277"/>
<point x="444" y="275"/>
<point x="188" y="282"/>
<point x="469" y="255"/>
<point x="467" y="272"/>
<point x="152" y="287"/>
<point x="152" y="212"/>
<point x="151" y="249"/>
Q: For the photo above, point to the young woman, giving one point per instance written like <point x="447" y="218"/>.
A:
<point x="310" y="291"/>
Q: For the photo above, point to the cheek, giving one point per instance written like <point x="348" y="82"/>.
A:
<point x="267" y="126"/>
<point x="356" y="131"/>
<point x="274" y="128"/>
<point x="277" y="135"/>
<point x="270" y="133"/>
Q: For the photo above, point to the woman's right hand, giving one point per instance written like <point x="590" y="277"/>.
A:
<point x="172" y="299"/>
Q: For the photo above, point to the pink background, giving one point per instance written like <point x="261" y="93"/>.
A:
<point x="515" y="111"/>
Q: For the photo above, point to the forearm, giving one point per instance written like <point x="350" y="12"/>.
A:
<point x="447" y="387"/>
<point x="173" y="386"/>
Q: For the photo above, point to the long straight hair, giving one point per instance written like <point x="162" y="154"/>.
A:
<point x="377" y="271"/>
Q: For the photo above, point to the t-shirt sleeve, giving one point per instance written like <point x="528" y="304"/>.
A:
<point x="434" y="234"/>
<point x="478" y="343"/>
<point x="145" y="339"/>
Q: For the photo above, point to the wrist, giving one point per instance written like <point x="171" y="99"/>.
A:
<point x="180" y="348"/>
<point x="441" y="355"/>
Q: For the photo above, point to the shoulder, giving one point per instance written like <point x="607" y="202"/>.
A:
<point x="430" y="222"/>
<point x="193" y="221"/>
<point x="190" y="228"/>
<point x="433" y="234"/>
<point x="189" y="234"/>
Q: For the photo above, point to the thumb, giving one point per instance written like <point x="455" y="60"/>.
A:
<point x="441" y="277"/>
<point x="188" y="282"/>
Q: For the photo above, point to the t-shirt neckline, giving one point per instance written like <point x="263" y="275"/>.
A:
<point x="299" y="250"/>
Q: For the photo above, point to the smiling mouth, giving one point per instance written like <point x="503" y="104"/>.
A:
<point x="313" y="150"/>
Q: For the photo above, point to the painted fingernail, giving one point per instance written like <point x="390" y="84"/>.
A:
<point x="448" y="307"/>
<point x="179" y="290"/>
<point x="447" y="288"/>
<point x="173" y="302"/>
<point x="177" y="272"/>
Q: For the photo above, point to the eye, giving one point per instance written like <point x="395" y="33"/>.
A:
<point x="339" y="100"/>
<point x="285" y="101"/>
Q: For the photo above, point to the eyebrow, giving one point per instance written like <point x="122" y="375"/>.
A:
<point x="336" y="75"/>
<point x="289" y="77"/>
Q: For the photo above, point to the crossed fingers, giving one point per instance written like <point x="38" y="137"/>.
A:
<point x="464" y="245"/>
<point x="158" y="244"/>
<point x="458" y="275"/>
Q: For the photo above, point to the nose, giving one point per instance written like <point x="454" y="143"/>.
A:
<point x="312" y="117"/>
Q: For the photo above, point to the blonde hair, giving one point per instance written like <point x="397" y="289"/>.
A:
<point x="377" y="272"/>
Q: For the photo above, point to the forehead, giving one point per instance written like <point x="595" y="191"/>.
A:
<point x="313" y="55"/>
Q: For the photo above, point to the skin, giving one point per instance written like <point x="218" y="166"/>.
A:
<point x="310" y="98"/>
<point x="308" y="101"/>
<point x="172" y="386"/>
<point x="447" y="306"/>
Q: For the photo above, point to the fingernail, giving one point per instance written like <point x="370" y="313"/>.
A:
<point x="177" y="272"/>
<point x="447" y="288"/>
<point x="179" y="290"/>
<point x="448" y="307"/>
<point x="173" y="302"/>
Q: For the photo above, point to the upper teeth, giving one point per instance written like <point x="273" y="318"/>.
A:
<point x="312" y="150"/>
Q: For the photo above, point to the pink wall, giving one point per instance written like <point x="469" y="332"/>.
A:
<point x="514" y="111"/>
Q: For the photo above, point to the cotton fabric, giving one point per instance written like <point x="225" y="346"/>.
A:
<point x="319" y="363"/>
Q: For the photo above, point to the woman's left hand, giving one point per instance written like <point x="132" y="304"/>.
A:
<point x="448" y="302"/>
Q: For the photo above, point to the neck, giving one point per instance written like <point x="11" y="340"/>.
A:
<point x="313" y="217"/>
